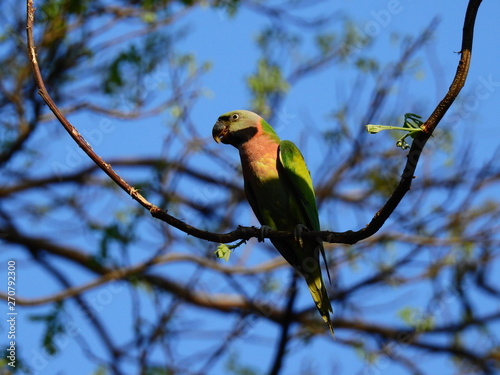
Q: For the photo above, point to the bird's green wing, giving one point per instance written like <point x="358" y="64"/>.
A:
<point x="300" y="181"/>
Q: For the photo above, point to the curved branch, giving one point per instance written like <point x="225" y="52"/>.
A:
<point x="462" y="69"/>
<point x="418" y="144"/>
<point x="245" y="233"/>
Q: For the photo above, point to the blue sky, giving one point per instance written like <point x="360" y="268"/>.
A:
<point x="226" y="90"/>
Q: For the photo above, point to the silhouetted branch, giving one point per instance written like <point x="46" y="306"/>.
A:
<point x="462" y="69"/>
<point x="399" y="335"/>
<point x="419" y="142"/>
<point x="285" y="326"/>
<point x="94" y="321"/>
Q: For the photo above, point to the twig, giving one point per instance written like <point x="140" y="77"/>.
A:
<point x="245" y="233"/>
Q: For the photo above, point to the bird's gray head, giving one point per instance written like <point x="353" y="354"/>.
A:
<point x="236" y="127"/>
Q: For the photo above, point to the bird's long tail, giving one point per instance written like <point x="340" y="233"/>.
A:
<point x="320" y="297"/>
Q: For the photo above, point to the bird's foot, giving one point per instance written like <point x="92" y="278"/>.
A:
<point x="263" y="232"/>
<point x="297" y="233"/>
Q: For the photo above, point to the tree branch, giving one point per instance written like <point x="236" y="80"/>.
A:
<point x="462" y="69"/>
<point x="397" y="334"/>
<point x="285" y="326"/>
<point x="245" y="233"/>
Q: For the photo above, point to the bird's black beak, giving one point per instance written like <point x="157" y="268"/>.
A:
<point x="219" y="132"/>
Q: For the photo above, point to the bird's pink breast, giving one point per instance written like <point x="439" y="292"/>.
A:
<point x="259" y="156"/>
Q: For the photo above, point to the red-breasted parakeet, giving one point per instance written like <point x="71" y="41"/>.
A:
<point x="279" y="189"/>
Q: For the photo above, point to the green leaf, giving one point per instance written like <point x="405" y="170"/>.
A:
<point x="149" y="17"/>
<point x="101" y="370"/>
<point x="412" y="125"/>
<point x="417" y="319"/>
<point x="223" y="252"/>
<point x="54" y="327"/>
<point x="326" y="42"/>
<point x="267" y="82"/>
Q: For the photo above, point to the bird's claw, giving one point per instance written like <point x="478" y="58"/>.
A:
<point x="263" y="232"/>
<point x="297" y="233"/>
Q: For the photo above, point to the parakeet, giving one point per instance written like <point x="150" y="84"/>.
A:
<point x="279" y="188"/>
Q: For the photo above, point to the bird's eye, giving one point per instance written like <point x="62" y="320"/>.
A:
<point x="235" y="117"/>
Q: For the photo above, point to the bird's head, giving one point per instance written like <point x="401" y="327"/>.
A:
<point x="236" y="127"/>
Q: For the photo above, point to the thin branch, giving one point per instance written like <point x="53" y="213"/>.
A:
<point x="245" y="233"/>
<point x="84" y="172"/>
<point x="73" y="132"/>
<point x="400" y="335"/>
<point x="285" y="326"/>
<point x="122" y="273"/>
<point x="418" y="144"/>
<point x="462" y="69"/>
<point x="89" y="313"/>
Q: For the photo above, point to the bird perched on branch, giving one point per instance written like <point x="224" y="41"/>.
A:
<point x="279" y="189"/>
